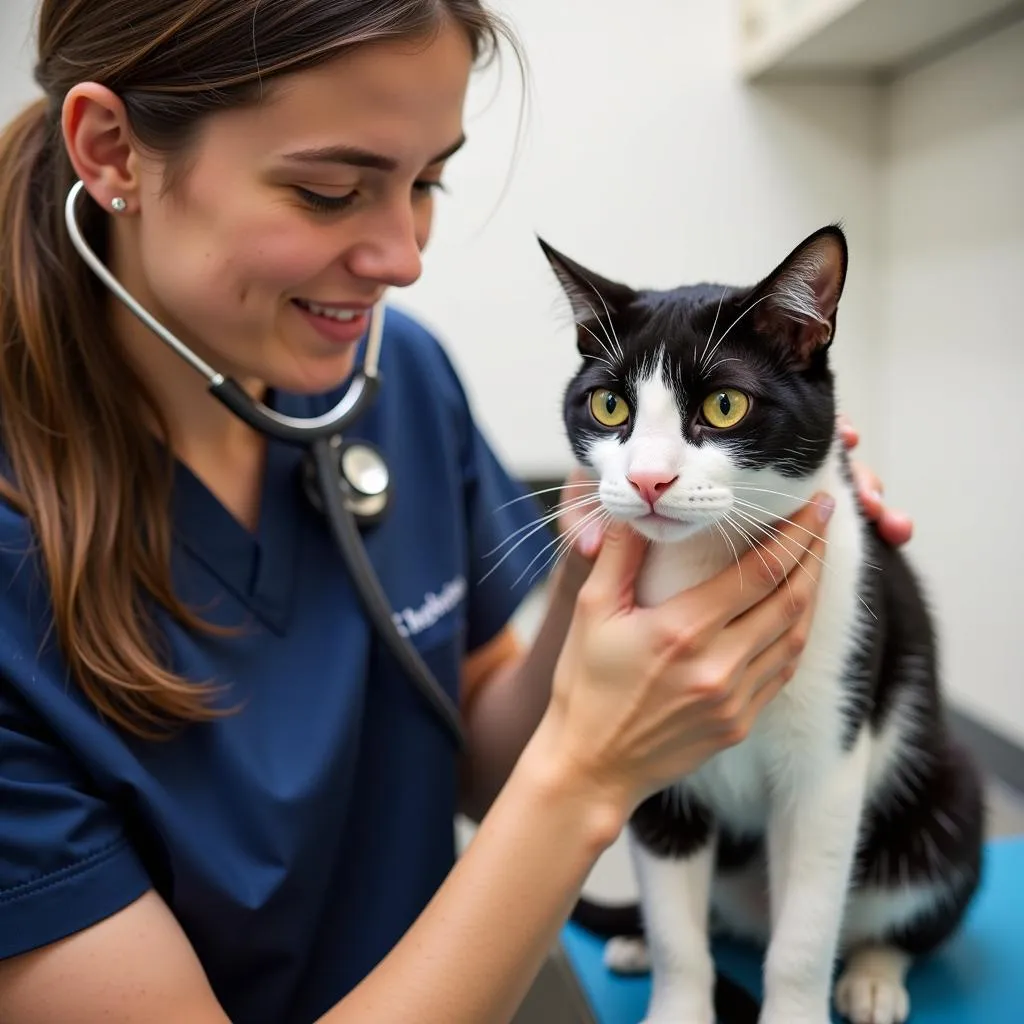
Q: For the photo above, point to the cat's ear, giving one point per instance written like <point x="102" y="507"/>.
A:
<point x="797" y="301"/>
<point x="594" y="299"/>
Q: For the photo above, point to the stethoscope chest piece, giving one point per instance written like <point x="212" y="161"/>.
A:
<point x="362" y="479"/>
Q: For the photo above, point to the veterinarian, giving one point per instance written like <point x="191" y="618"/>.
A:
<point x="220" y="796"/>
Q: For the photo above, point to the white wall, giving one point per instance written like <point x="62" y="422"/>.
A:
<point x="645" y="159"/>
<point x="950" y="410"/>
<point x="17" y="56"/>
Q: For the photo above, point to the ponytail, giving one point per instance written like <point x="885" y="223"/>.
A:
<point x="93" y="482"/>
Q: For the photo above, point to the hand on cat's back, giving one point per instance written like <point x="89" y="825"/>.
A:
<point x="894" y="527"/>
<point x="645" y="695"/>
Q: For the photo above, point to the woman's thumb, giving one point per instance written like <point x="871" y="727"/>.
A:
<point x="613" y="575"/>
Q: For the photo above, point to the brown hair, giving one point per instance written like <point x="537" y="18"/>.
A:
<point x="93" y="484"/>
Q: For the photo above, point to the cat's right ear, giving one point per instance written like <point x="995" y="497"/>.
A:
<point x="595" y="300"/>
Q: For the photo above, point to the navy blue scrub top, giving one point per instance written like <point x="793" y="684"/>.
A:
<point x="297" y="839"/>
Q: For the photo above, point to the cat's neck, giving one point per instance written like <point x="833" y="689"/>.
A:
<point x="672" y="567"/>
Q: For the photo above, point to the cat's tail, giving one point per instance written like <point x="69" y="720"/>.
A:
<point x="733" y="1003"/>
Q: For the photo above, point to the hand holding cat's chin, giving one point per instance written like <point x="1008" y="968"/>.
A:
<point x="642" y="696"/>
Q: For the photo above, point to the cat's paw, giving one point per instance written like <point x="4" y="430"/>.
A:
<point x="625" y="955"/>
<point x="864" y="996"/>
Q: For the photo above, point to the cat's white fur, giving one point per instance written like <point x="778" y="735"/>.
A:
<point x="790" y="776"/>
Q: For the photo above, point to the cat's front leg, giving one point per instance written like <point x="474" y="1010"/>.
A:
<point x="673" y="844"/>
<point x="812" y="837"/>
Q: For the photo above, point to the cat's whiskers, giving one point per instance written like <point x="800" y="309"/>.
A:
<point x="728" y="540"/>
<point x="782" y="494"/>
<point x="770" y="532"/>
<point x="533" y="527"/>
<point x="757" y="549"/>
<point x="611" y="355"/>
<point x="782" y="519"/>
<point x="775" y="530"/>
<point x="570" y="539"/>
<point x="756" y="302"/>
<point x="720" y="362"/>
<point x="562" y="542"/>
<point x="777" y="518"/>
<point x="757" y="544"/>
<point x="715" y="324"/>
<point x="549" y="490"/>
<point x="604" y="362"/>
<point x="608" y="314"/>
<point x="612" y="340"/>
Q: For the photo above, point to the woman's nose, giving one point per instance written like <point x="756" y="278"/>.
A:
<point x="389" y="250"/>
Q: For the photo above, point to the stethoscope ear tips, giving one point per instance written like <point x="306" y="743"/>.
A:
<point x="361" y="475"/>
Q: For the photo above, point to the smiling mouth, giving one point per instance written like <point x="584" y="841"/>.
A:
<point x="339" y="313"/>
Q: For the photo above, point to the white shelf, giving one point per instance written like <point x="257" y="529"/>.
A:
<point x="868" y="38"/>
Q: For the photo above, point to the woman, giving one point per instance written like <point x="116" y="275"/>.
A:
<point x="219" y="798"/>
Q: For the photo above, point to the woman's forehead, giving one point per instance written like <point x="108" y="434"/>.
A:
<point x="400" y="99"/>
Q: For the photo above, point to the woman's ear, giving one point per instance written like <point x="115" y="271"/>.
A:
<point x="96" y="133"/>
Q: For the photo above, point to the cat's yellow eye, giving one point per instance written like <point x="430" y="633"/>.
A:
<point x="725" y="408"/>
<point x="608" y="408"/>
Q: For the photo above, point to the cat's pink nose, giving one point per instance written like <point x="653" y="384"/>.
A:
<point x="651" y="485"/>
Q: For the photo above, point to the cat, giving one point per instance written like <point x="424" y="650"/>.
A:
<point x="848" y="825"/>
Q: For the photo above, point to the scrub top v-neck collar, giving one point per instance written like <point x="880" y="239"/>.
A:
<point x="259" y="566"/>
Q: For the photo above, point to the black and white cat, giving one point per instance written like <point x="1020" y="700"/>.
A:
<point x="848" y="825"/>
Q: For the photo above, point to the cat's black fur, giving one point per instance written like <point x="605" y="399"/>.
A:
<point x="932" y="820"/>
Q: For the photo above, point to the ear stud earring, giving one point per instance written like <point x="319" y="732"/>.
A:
<point x="118" y="204"/>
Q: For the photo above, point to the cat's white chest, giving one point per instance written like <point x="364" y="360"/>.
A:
<point x="733" y="783"/>
<point x="804" y="721"/>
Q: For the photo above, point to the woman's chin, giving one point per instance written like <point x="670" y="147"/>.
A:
<point x="315" y="376"/>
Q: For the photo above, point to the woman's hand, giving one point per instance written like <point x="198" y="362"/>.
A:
<point x="643" y="696"/>
<point x="895" y="527"/>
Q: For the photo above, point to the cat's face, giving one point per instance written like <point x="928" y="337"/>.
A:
<point x="705" y="405"/>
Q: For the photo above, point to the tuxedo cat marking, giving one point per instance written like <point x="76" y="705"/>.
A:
<point x="848" y="824"/>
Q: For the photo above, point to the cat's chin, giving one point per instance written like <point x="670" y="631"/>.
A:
<point x="663" y="530"/>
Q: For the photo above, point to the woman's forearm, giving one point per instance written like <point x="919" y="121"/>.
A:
<point x="512" y="702"/>
<point x="473" y="953"/>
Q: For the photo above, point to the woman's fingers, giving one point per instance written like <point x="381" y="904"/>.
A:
<point x="847" y="431"/>
<point x="609" y="587"/>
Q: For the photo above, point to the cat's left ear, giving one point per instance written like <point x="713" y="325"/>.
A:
<point x="592" y="297"/>
<point x="797" y="302"/>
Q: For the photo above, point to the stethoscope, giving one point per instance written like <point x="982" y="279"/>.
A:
<point x="347" y="481"/>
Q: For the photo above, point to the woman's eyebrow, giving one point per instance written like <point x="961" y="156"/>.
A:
<point x="353" y="156"/>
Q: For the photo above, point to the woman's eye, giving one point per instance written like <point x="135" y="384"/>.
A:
<point x="327" y="204"/>
<point x="333" y="204"/>
<point x="427" y="187"/>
